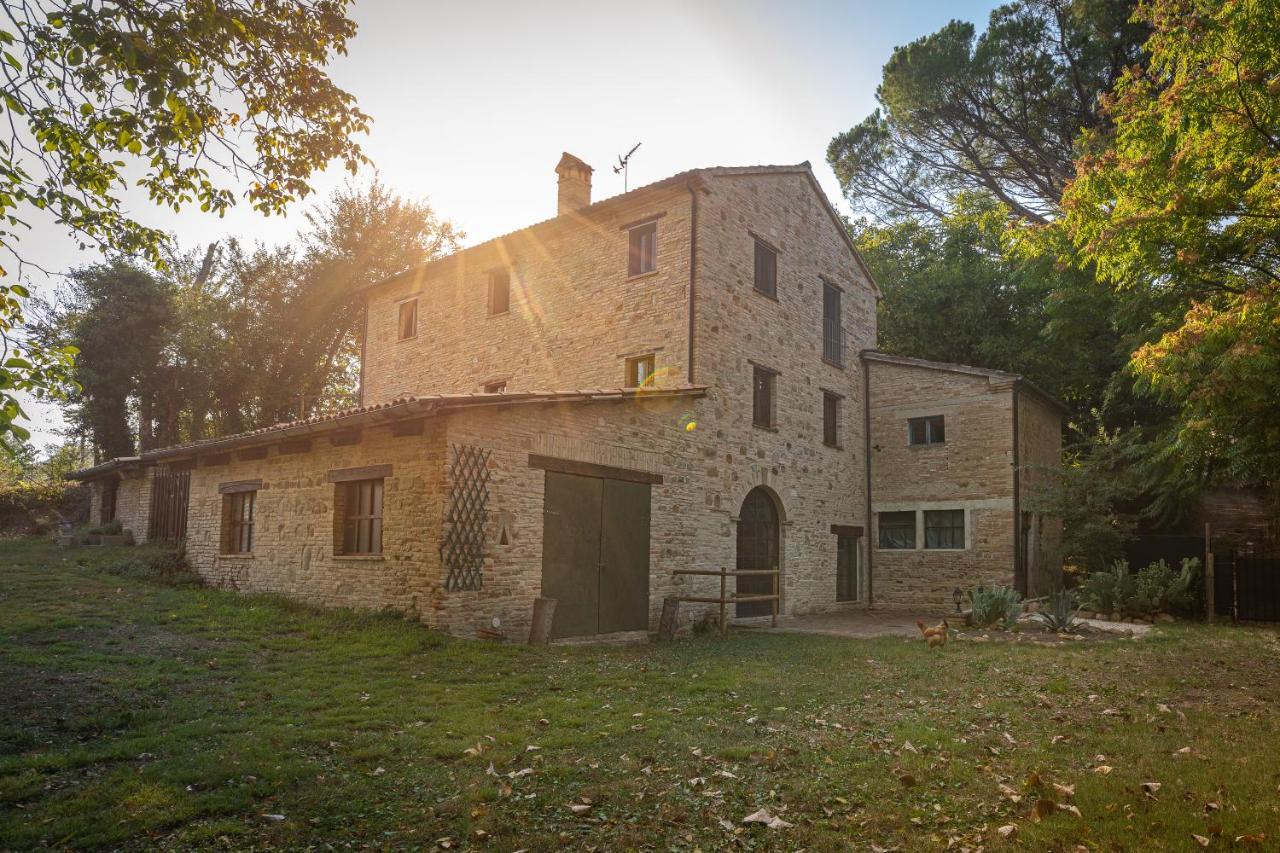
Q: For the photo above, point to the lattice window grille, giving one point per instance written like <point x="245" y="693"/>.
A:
<point x="462" y="545"/>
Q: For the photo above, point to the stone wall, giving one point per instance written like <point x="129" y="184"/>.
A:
<point x="1040" y="461"/>
<point x="972" y="471"/>
<point x="133" y="499"/>
<point x="293" y="550"/>
<point x="814" y="485"/>
<point x="575" y="316"/>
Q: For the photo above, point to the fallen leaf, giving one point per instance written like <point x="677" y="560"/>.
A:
<point x="763" y="816"/>
<point x="579" y="808"/>
<point x="907" y="780"/>
<point x="1008" y="830"/>
<point x="1150" y="789"/>
<point x="1067" y="792"/>
<point x="1202" y="840"/>
<point x="1251" y="839"/>
<point x="1068" y="807"/>
<point x="1102" y="769"/>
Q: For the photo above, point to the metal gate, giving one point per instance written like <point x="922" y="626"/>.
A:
<point x="1247" y="588"/>
<point x="170" y="491"/>
<point x="595" y="554"/>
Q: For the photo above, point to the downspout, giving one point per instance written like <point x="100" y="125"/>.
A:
<point x="364" y="342"/>
<point x="693" y="267"/>
<point x="866" y="441"/>
<point x="1019" y="570"/>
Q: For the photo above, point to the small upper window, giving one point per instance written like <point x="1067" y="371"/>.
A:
<point x="642" y="252"/>
<point x="832" y="333"/>
<point x="944" y="528"/>
<point x="830" y="419"/>
<point x="498" y="387"/>
<point x="639" y="371"/>
<point x="408" y="319"/>
<point x="898" y="530"/>
<point x="499" y="292"/>
<point x="766" y="280"/>
<point x="931" y="430"/>
<point x="762" y="398"/>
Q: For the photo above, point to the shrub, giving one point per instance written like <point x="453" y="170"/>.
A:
<point x="1154" y="589"/>
<point x="163" y="564"/>
<point x="1061" y="611"/>
<point x="1106" y="591"/>
<point x="992" y="605"/>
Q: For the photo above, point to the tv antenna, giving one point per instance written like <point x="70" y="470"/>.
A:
<point x="623" y="163"/>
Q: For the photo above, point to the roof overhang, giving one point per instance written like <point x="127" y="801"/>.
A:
<point x="111" y="466"/>
<point x="396" y="410"/>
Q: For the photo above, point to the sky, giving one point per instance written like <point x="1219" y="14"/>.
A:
<point x="474" y="101"/>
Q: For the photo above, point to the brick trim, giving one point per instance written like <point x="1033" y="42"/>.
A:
<point x="591" y="469"/>
<point x="239" y="486"/>
<point x="366" y="472"/>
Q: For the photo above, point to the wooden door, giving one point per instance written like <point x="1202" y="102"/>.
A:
<point x="571" y="552"/>
<point x="624" y="557"/>
<point x="758" y="532"/>
<point x="595" y="554"/>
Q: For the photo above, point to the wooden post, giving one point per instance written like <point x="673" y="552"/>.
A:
<point x="670" y="621"/>
<point x="773" y="617"/>
<point x="544" y="610"/>
<point x="1209" y="591"/>
<point x="723" y="578"/>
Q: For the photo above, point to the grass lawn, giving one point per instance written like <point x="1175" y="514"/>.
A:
<point x="142" y="714"/>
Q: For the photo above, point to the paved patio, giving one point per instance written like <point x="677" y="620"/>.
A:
<point x="857" y="623"/>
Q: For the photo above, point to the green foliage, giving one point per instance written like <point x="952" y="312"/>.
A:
<point x="952" y="293"/>
<point x="184" y="100"/>
<point x="1105" y="590"/>
<point x="231" y="336"/>
<point x="159" y="563"/>
<point x="1061" y="611"/>
<point x="1183" y="197"/>
<point x="1155" y="588"/>
<point x="998" y="113"/>
<point x="996" y="605"/>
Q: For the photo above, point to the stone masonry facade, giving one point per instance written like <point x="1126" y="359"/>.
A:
<point x="519" y="347"/>
<point x="973" y="470"/>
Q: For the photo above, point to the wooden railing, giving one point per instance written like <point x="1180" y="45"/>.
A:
<point x="724" y="600"/>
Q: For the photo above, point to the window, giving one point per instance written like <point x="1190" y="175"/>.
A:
<point x="237" y="522"/>
<point x="832" y="332"/>
<point x="847" y="568"/>
<point x="499" y="292"/>
<point x="898" y="530"/>
<point x="931" y="430"/>
<point x="360" y="512"/>
<point x="763" y="382"/>
<point x="830" y="419"/>
<point x="944" y="528"/>
<point x="639" y="371"/>
<point x="498" y="387"/>
<point x="642" y="252"/>
<point x="766" y="269"/>
<point x="107" y="512"/>
<point x="408" y="319"/>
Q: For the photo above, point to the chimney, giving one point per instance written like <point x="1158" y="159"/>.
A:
<point x="574" y="184"/>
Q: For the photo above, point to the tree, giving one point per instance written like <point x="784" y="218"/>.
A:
<point x="185" y="100"/>
<point x="998" y="115"/>
<point x="951" y="293"/>
<point x="119" y="333"/>
<point x="1184" y="197"/>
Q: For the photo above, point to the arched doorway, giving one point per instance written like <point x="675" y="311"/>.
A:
<point x="758" y="536"/>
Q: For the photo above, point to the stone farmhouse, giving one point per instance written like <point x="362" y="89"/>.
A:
<point x="679" y="377"/>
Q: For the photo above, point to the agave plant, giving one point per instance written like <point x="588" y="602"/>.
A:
<point x="994" y="604"/>
<point x="1061" y="611"/>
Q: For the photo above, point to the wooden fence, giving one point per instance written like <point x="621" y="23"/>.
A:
<point x="725" y="599"/>
<point x="170" y="492"/>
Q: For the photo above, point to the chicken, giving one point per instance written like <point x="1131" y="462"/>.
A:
<point x="935" y="635"/>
